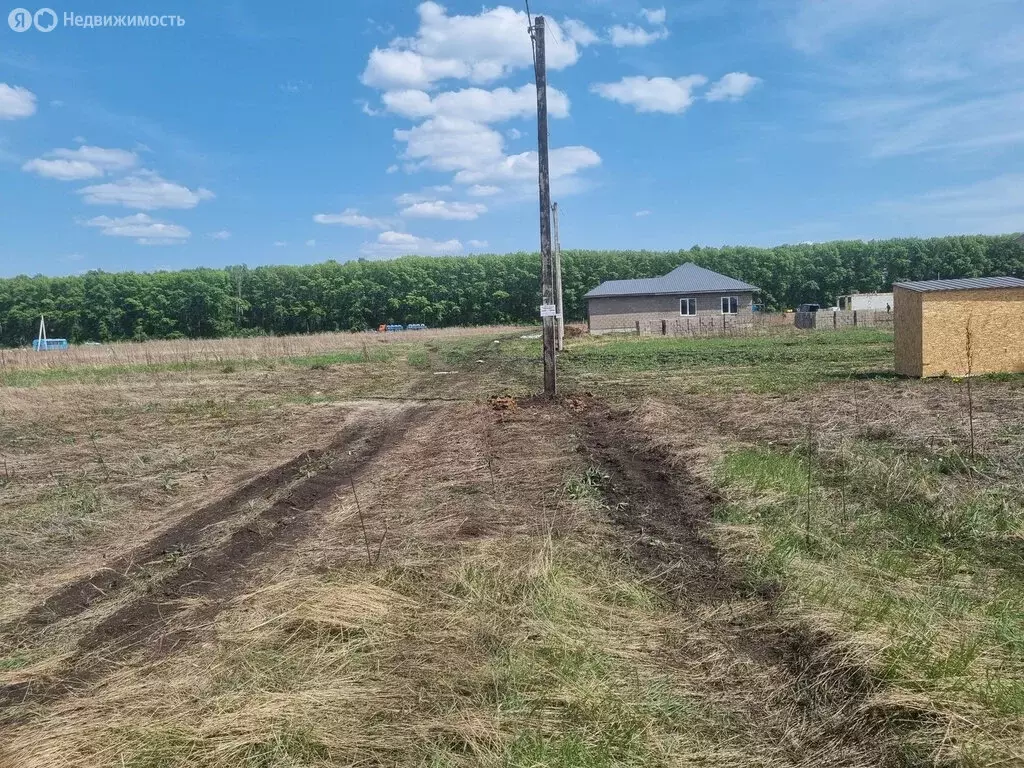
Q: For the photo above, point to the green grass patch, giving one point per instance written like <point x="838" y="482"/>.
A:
<point x="914" y="553"/>
<point x="10" y="663"/>
<point x="782" y="362"/>
<point x="764" y="469"/>
<point x="418" y="358"/>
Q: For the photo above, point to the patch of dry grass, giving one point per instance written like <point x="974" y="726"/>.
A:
<point x="473" y="608"/>
<point x="190" y="351"/>
<point x="86" y="470"/>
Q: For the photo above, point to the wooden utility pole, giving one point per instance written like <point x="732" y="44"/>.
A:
<point x="558" y="281"/>
<point x="547" y="282"/>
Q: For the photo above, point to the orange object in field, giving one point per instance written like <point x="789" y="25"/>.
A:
<point x="382" y="328"/>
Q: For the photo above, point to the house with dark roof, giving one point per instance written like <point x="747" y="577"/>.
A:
<point x="687" y="292"/>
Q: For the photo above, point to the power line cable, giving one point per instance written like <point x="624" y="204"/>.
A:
<point x="533" y="38"/>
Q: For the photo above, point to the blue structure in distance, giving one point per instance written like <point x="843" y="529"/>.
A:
<point x="45" y="345"/>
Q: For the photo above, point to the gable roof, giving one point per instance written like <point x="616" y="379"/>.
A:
<point x="965" y="284"/>
<point x="686" y="278"/>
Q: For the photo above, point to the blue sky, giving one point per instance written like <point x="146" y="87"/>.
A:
<point x="267" y="134"/>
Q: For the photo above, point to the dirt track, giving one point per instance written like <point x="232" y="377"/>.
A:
<point x="209" y="554"/>
<point x="132" y="610"/>
<point x="666" y="511"/>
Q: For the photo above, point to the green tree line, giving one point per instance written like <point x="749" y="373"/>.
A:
<point x="471" y="290"/>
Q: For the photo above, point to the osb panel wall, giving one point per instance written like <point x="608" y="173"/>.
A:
<point x="907" y="327"/>
<point x="996" y="322"/>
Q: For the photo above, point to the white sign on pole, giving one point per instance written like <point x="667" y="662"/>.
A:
<point x="548" y="310"/>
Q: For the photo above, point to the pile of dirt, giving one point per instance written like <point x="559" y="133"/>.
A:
<point x="503" y="403"/>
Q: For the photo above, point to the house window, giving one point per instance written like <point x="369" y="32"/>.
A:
<point x="730" y="305"/>
<point x="687" y="306"/>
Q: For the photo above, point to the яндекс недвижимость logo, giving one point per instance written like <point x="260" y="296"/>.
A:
<point x="22" y="19"/>
<point x="46" y="20"/>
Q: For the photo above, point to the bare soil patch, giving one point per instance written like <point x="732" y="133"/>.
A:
<point x="196" y="566"/>
<point x="666" y="510"/>
<point x="483" y="603"/>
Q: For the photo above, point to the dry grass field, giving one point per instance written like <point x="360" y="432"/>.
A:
<point x="362" y="550"/>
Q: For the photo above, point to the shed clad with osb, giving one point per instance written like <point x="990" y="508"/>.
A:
<point x="959" y="327"/>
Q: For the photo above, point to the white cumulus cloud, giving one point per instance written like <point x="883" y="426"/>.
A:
<point x="441" y="209"/>
<point x="145" y="229"/>
<point x="452" y="144"/>
<point x="580" y="33"/>
<point x="16" y="102"/>
<point x="411" y="198"/>
<point x="62" y="170"/>
<point x="476" y="104"/>
<point x="350" y="217"/>
<point x="423" y="196"/>
<point x="392" y="243"/>
<point x="565" y="161"/>
<point x="654" y="15"/>
<point x="483" y="190"/>
<point x="732" y="87"/>
<point x="653" y="94"/>
<point x="145" y="190"/>
<point x="221" y="235"/>
<point x="477" y="244"/>
<point x="85" y="162"/>
<point x="479" y="48"/>
<point x="107" y="159"/>
<point x="456" y="130"/>
<point x="390" y="68"/>
<point x="632" y="35"/>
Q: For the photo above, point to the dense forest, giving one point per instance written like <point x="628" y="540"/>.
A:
<point x="471" y="290"/>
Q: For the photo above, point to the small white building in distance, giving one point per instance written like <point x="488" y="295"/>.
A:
<point x="859" y="302"/>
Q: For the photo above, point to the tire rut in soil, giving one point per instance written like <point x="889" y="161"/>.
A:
<point x="668" y="510"/>
<point x="183" y="536"/>
<point x="217" y="573"/>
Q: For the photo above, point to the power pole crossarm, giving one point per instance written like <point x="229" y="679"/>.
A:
<point x="544" y="182"/>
